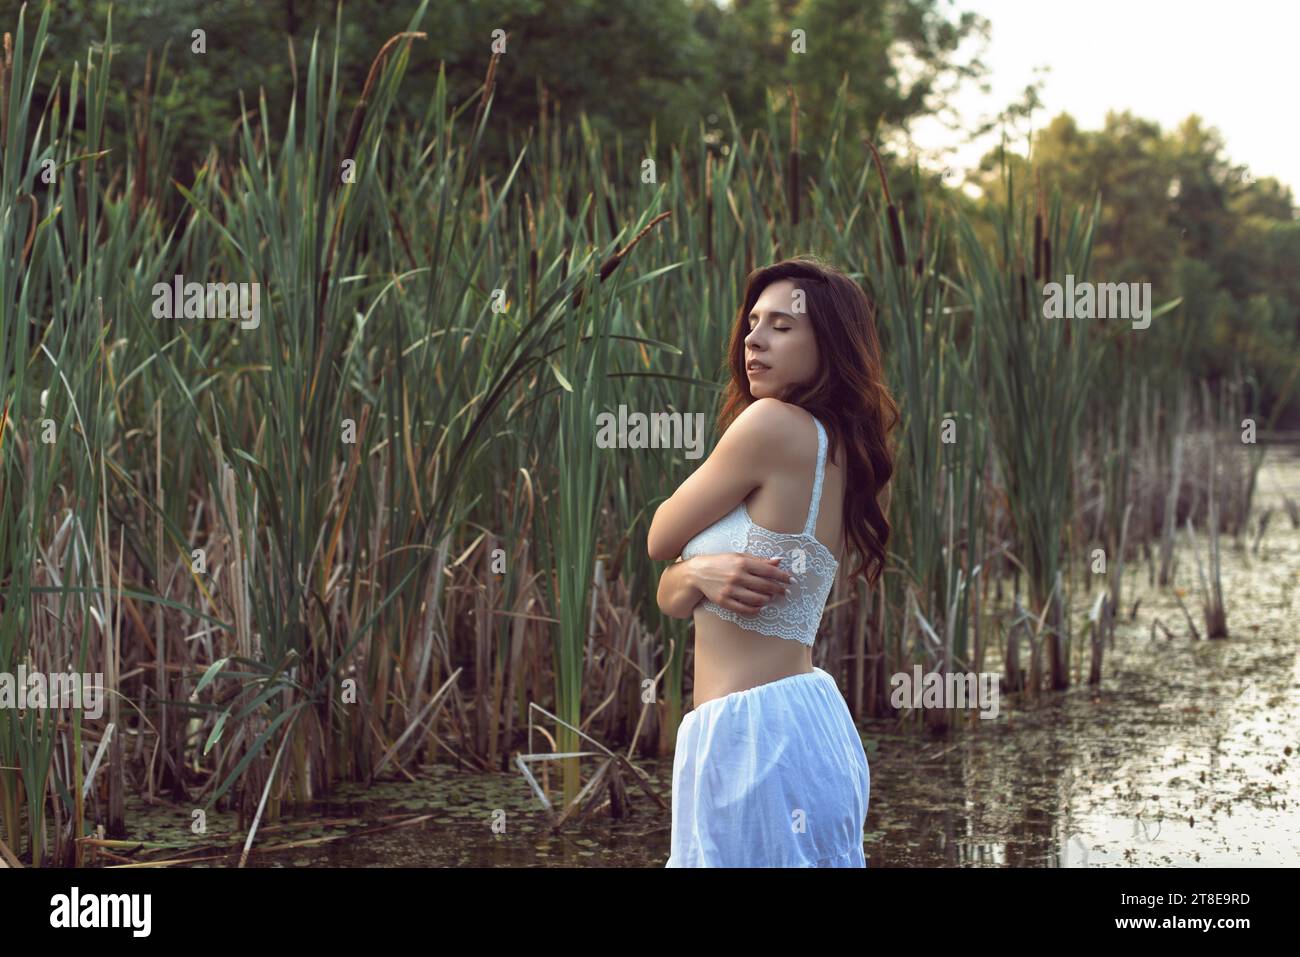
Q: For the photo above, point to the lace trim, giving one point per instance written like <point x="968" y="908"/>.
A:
<point x="798" y="616"/>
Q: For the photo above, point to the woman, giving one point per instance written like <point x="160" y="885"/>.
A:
<point x="769" y="769"/>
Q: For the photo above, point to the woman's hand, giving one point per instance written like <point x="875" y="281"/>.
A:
<point x="742" y="583"/>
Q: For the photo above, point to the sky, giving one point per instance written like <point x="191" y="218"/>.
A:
<point x="1236" y="65"/>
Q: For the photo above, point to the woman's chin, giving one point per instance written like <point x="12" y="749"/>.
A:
<point x="766" y="390"/>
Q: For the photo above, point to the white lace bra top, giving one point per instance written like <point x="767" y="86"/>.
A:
<point x="799" y="615"/>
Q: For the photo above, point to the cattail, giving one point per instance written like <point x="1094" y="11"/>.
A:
<point x="1038" y="230"/>
<point x="1024" y="298"/>
<point x="1047" y="260"/>
<point x="612" y="263"/>
<point x="359" y="113"/>
<point x="925" y="229"/>
<point x="896" y="236"/>
<point x="349" y="147"/>
<point x="793" y="186"/>
<point x="895" y="226"/>
<point x="489" y="82"/>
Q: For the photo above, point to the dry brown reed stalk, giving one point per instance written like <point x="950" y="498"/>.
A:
<point x="401" y="234"/>
<point x="612" y="263"/>
<point x="353" y="469"/>
<point x="532" y="253"/>
<point x="8" y="858"/>
<point x="895" y="225"/>
<point x="31" y="227"/>
<point x="359" y="113"/>
<point x="349" y="145"/>
<point x="160" y="638"/>
<point x="489" y="82"/>
<point x="4" y="422"/>
<point x="1178" y="596"/>
<point x="261" y="804"/>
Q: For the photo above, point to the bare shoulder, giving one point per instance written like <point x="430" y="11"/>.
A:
<point x="768" y="424"/>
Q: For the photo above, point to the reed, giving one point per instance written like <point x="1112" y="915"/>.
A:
<point x="1033" y="363"/>
<point x="375" y="530"/>
<point x="932" y="366"/>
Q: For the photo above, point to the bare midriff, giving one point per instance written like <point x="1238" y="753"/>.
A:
<point x="729" y="658"/>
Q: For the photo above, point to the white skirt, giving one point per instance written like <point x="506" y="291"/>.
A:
<point x="772" y="776"/>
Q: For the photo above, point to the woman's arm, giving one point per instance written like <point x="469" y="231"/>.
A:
<point x="734" y="580"/>
<point x="678" y="595"/>
<point x="741" y="462"/>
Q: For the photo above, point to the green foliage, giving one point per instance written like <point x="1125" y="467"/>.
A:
<point x="430" y="302"/>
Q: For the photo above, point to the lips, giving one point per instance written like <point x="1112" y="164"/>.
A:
<point x="755" y="366"/>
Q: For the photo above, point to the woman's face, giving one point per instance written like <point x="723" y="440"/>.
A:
<point x="780" y="341"/>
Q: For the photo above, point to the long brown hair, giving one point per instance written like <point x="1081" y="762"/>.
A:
<point x="848" y="396"/>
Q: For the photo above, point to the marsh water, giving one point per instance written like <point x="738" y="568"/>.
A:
<point x="1186" y="755"/>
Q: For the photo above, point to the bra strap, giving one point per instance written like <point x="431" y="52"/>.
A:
<point x="815" y="504"/>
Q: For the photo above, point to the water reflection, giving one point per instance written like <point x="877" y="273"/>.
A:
<point x="1184" y="756"/>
